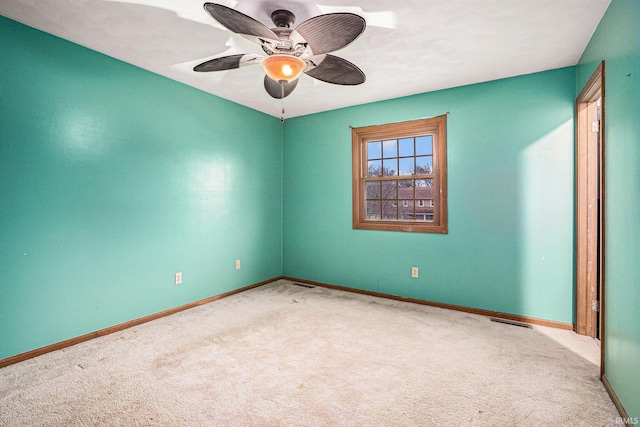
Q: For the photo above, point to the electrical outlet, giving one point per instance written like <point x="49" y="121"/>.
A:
<point x="178" y="278"/>
<point x="414" y="272"/>
<point x="237" y="264"/>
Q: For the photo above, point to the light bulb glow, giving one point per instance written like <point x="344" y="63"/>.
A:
<point x="283" y="67"/>
<point x="287" y="70"/>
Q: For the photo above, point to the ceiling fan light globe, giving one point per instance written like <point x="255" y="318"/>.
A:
<point x="283" y="67"/>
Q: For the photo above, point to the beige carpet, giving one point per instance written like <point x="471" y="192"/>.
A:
<point x="282" y="354"/>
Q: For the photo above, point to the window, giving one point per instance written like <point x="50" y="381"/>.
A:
<point x="400" y="176"/>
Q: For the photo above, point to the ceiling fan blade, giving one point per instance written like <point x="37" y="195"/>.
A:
<point x="332" y="31"/>
<point x="228" y="62"/>
<point x="274" y="88"/>
<point x="336" y="70"/>
<point x="239" y="23"/>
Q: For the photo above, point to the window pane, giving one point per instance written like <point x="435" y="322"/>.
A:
<point x="424" y="165"/>
<point x="374" y="150"/>
<point x="421" y="216"/>
<point x="406" y="147"/>
<point x="405" y="189"/>
<point x="389" y="190"/>
<point x="424" y="182"/>
<point x="373" y="190"/>
<point x="390" y="167"/>
<point x="407" y="166"/>
<point x="390" y="148"/>
<point x="389" y="210"/>
<point x="405" y="211"/>
<point x="374" y="168"/>
<point x="423" y="193"/>
<point x="373" y="210"/>
<point x="424" y="145"/>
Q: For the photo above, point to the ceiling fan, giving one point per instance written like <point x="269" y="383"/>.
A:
<point x="290" y="52"/>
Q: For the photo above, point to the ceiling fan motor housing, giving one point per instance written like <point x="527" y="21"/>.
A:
<point x="283" y="18"/>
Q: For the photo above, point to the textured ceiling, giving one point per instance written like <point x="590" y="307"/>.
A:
<point x="408" y="47"/>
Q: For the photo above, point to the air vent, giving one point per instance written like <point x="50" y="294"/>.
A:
<point x="303" y="285"/>
<point x="511" y="322"/>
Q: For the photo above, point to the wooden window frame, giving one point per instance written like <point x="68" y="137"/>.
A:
<point x="437" y="128"/>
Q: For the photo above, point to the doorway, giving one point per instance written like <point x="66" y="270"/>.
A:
<point x="590" y="207"/>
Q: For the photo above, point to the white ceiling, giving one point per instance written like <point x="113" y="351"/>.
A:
<point x="409" y="46"/>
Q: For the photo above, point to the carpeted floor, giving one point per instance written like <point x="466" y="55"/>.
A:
<point x="283" y="354"/>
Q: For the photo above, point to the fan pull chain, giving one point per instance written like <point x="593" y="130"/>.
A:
<point x="282" y="101"/>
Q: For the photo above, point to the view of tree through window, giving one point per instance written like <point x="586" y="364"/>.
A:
<point x="400" y="176"/>
<point x="404" y="199"/>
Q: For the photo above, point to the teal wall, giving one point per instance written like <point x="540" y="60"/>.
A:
<point x="510" y="172"/>
<point x="111" y="180"/>
<point x="617" y="42"/>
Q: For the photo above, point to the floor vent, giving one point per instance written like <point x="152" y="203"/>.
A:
<point x="511" y="322"/>
<point x="303" y="285"/>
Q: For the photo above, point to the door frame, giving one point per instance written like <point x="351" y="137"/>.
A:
<point x="589" y="214"/>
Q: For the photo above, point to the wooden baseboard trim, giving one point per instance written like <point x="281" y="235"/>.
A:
<point x="122" y="326"/>
<point x="614" y="397"/>
<point x="488" y="313"/>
